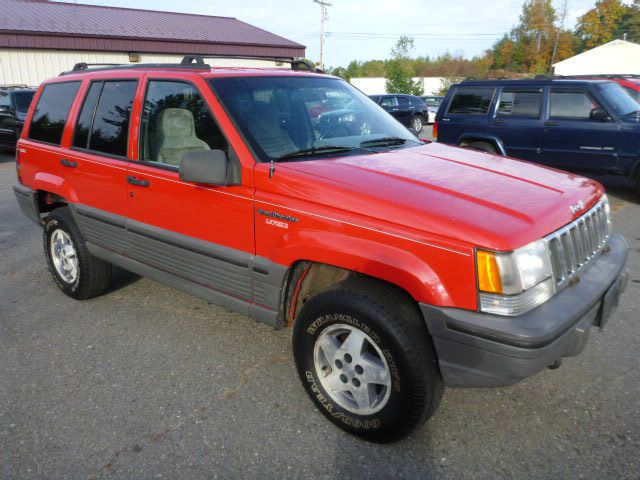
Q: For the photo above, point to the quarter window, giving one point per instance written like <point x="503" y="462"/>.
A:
<point x="574" y="104"/>
<point x="176" y="120"/>
<point x="471" y="101"/>
<point x="520" y="103"/>
<point x="52" y="111"/>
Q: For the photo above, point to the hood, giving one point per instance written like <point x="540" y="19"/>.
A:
<point x="449" y="192"/>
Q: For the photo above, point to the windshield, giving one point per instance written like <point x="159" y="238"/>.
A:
<point x="299" y="117"/>
<point x="23" y="100"/>
<point x="434" y="101"/>
<point x="619" y="100"/>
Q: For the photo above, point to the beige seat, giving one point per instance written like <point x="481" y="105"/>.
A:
<point x="176" y="136"/>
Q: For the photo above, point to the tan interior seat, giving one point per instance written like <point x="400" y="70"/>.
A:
<point x="177" y="135"/>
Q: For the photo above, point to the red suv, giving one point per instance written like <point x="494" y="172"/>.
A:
<point x="401" y="266"/>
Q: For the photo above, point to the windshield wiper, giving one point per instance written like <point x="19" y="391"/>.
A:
<point x="386" y="142"/>
<point x="307" y="152"/>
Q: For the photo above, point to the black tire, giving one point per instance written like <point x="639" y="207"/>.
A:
<point x="417" y="123"/>
<point x="92" y="274"/>
<point x="482" y="147"/>
<point x="397" y="330"/>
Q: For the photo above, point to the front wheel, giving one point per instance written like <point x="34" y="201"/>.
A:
<point x="367" y="363"/>
<point x="76" y="272"/>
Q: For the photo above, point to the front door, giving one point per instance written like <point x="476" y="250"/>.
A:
<point x="200" y="235"/>
<point x="572" y="138"/>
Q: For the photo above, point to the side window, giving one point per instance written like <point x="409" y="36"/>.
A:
<point x="110" y="129"/>
<point x="389" y="102"/>
<point x="574" y="104"/>
<point x="471" y="101"/>
<point x="5" y="99"/>
<point x="176" y="120"/>
<point x="520" y="103"/>
<point x="85" y="120"/>
<point x="404" y="102"/>
<point x="52" y="111"/>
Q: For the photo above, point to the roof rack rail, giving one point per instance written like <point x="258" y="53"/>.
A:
<point x="83" y="67"/>
<point x="295" y="62"/>
<point x="16" y="85"/>
<point x="195" y="62"/>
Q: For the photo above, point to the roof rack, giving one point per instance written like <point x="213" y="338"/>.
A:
<point x="296" y="63"/>
<point x="84" y="67"/>
<point x="16" y="86"/>
<point x="193" y="62"/>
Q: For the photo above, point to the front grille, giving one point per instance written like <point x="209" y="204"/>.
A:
<point x="573" y="246"/>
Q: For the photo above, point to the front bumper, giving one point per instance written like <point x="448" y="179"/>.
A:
<point x="480" y="350"/>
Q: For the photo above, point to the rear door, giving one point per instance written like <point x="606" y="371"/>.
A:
<point x="518" y="121"/>
<point x="467" y="112"/>
<point x="571" y="138"/>
<point x="96" y="162"/>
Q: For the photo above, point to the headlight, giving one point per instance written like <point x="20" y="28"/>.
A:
<point x="514" y="283"/>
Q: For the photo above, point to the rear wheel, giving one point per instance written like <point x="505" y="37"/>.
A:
<point x="482" y="147"/>
<point x="76" y="272"/>
<point x="367" y="362"/>
<point x="417" y="123"/>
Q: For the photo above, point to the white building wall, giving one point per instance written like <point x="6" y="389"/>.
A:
<point x="32" y="67"/>
<point x="377" y="85"/>
<point x="617" y="57"/>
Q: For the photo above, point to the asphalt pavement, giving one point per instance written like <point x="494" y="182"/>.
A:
<point x="148" y="382"/>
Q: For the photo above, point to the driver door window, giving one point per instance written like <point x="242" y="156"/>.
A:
<point x="573" y="104"/>
<point x="176" y="120"/>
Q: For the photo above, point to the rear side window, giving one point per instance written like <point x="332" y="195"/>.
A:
<point x="103" y="124"/>
<point x="520" y="103"/>
<point x="85" y="120"/>
<point x="52" y="111"/>
<point x="471" y="101"/>
<point x="574" y="104"/>
<point x="110" y="130"/>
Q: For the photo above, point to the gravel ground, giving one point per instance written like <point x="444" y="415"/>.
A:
<point x="148" y="382"/>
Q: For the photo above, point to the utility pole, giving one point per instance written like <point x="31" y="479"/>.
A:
<point x="323" y="16"/>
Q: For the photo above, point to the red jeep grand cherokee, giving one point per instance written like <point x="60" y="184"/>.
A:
<point x="401" y="266"/>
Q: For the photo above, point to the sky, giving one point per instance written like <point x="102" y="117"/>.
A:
<point x="368" y="29"/>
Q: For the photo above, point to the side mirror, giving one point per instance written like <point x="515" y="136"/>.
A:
<point x="599" y="115"/>
<point x="205" y="166"/>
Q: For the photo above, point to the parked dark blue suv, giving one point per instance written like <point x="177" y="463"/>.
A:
<point x="585" y="125"/>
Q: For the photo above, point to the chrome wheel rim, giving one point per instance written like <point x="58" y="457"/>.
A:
<point x="352" y="369"/>
<point x="64" y="256"/>
<point x="417" y="124"/>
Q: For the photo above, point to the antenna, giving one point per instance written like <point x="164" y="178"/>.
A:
<point x="323" y="16"/>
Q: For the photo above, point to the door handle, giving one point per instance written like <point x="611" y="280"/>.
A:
<point x="69" y="163"/>
<point x="551" y="123"/>
<point x="138" y="182"/>
<point x="500" y="122"/>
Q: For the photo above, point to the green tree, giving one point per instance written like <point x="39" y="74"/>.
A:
<point x="600" y="24"/>
<point x="399" y="70"/>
